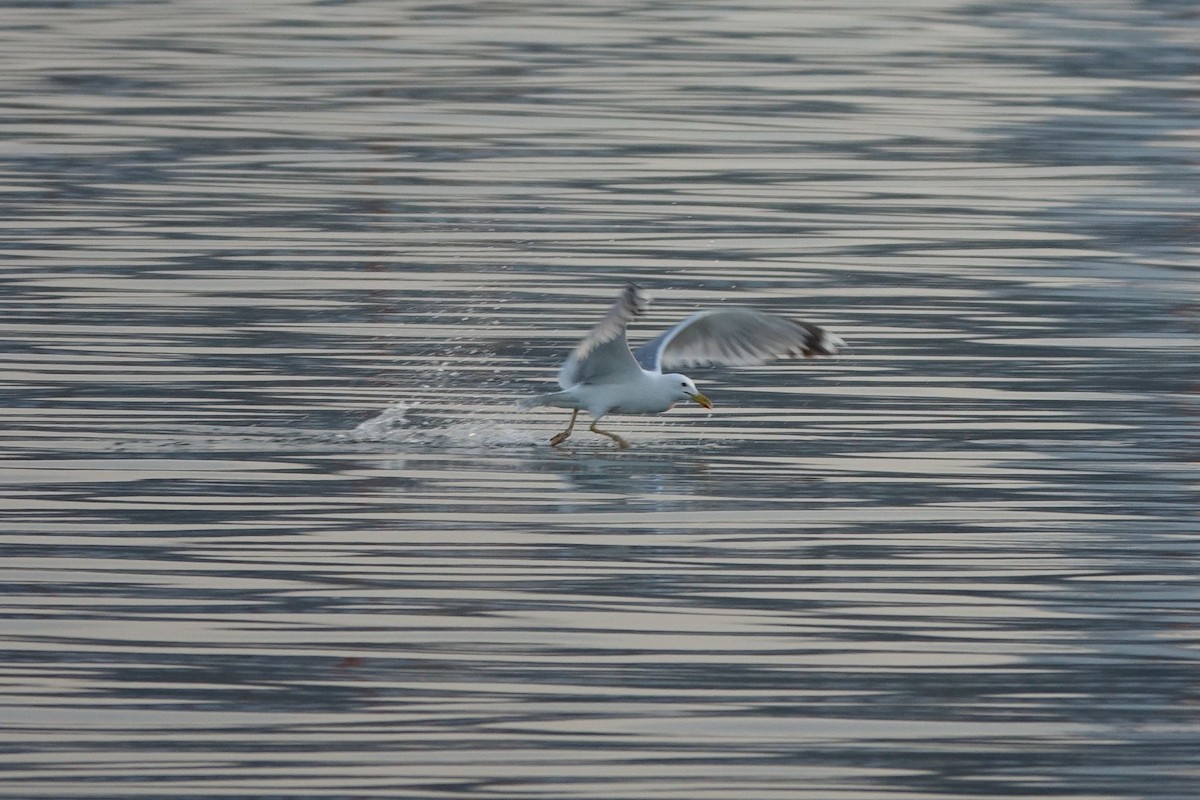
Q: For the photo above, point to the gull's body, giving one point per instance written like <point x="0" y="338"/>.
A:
<point x="603" y="376"/>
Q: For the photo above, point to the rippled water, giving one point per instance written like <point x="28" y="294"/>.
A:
<point x="275" y="273"/>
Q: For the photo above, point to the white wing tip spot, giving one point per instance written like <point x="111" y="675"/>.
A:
<point x="830" y="343"/>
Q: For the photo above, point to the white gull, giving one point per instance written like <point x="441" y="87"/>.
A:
<point x="603" y="376"/>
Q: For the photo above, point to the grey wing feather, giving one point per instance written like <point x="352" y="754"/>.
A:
<point x="735" y="337"/>
<point x="604" y="354"/>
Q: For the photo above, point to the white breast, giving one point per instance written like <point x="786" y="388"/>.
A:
<point x="648" y="395"/>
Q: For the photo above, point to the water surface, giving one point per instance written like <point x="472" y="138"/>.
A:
<point x="276" y="273"/>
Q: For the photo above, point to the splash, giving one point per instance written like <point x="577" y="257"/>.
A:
<point x="384" y="426"/>
<point x="409" y="423"/>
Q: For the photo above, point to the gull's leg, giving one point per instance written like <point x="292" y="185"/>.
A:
<point x="559" y="438"/>
<point x="621" y="443"/>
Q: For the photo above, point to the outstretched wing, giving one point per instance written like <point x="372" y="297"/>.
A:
<point x="735" y="337"/>
<point x="603" y="356"/>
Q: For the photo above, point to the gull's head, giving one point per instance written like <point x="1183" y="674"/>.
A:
<point x="686" y="390"/>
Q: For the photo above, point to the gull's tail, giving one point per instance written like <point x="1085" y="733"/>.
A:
<point x="556" y="399"/>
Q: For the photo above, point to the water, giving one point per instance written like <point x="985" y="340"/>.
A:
<point x="276" y="273"/>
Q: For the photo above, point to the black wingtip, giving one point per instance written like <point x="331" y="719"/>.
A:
<point x="824" y="342"/>
<point x="635" y="298"/>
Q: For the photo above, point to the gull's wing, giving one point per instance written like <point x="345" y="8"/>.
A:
<point x="603" y="356"/>
<point x="734" y="337"/>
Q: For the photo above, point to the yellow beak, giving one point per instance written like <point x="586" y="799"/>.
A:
<point x="702" y="400"/>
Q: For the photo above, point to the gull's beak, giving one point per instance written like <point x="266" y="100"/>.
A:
<point x="702" y="400"/>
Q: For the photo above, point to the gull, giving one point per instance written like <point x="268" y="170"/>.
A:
<point x="603" y="376"/>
